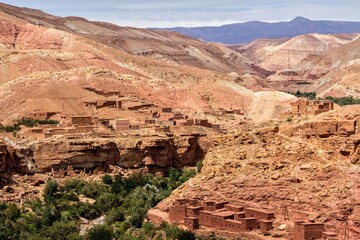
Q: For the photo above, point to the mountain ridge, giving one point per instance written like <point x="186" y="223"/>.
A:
<point x="236" y="33"/>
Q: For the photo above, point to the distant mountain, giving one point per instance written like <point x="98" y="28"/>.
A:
<point x="249" y="31"/>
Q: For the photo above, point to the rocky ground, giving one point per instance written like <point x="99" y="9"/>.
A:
<point x="307" y="170"/>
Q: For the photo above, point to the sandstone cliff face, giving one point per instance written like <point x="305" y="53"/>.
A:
<point x="89" y="153"/>
<point x="7" y="161"/>
<point x="294" y="174"/>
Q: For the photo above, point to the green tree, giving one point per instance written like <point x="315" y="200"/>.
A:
<point x="100" y="232"/>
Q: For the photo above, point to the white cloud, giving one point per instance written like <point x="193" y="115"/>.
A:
<point x="160" y="13"/>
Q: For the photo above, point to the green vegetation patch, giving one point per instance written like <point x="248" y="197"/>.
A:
<point x="123" y="201"/>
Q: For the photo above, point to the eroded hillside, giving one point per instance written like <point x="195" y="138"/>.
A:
<point x="304" y="171"/>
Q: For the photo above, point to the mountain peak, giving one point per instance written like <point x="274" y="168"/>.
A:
<point x="300" y="19"/>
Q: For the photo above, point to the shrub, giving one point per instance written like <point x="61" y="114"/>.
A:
<point x="114" y="215"/>
<point x="11" y="212"/>
<point x="100" y="232"/>
<point x="107" y="179"/>
<point x="61" y="230"/>
<point x="50" y="190"/>
<point x="106" y="201"/>
<point x="76" y="184"/>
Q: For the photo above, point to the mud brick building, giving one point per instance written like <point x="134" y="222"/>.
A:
<point x="219" y="215"/>
<point x="308" y="230"/>
<point x="41" y="115"/>
<point x="81" y="120"/>
<point x="177" y="212"/>
<point x="305" y="107"/>
<point x="191" y="223"/>
<point x="258" y="214"/>
<point x="120" y="125"/>
<point x="265" y="225"/>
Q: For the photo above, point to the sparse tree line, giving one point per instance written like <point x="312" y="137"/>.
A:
<point x="27" y="122"/>
<point x="342" y="101"/>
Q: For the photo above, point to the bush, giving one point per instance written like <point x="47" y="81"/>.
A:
<point x="50" y="190"/>
<point x="61" y="230"/>
<point x="76" y="184"/>
<point x="100" y="232"/>
<point x="106" y="201"/>
<point x="11" y="212"/>
<point x="88" y="211"/>
<point x="93" y="189"/>
<point x="107" y="179"/>
<point x="114" y="215"/>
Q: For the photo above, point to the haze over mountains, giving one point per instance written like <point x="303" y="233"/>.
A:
<point x="249" y="31"/>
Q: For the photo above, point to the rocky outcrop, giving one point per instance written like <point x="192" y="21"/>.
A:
<point x="89" y="153"/>
<point x="7" y="161"/>
<point x="285" y="172"/>
<point x="325" y="128"/>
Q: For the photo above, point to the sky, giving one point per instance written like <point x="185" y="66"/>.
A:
<point x="190" y="13"/>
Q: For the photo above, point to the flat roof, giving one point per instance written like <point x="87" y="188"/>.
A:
<point x="266" y="221"/>
<point x="330" y="233"/>
<point x="259" y="210"/>
<point x="234" y="205"/>
<point x="223" y="213"/>
<point x="192" y="218"/>
<point x="247" y="219"/>
<point x="205" y="211"/>
<point x="310" y="223"/>
<point x="192" y="207"/>
<point x="233" y="221"/>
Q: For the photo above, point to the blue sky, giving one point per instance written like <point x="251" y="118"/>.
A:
<point x="157" y="13"/>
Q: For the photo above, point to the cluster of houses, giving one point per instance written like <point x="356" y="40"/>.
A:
<point x="220" y="215"/>
<point x="303" y="107"/>
<point x="238" y="219"/>
<point x="155" y="119"/>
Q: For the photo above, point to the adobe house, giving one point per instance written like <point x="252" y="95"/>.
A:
<point x="41" y="115"/>
<point x="305" y="107"/>
<point x="177" y="212"/>
<point x="234" y="226"/>
<point x="212" y="205"/>
<point x="234" y="208"/>
<point x="191" y="223"/>
<point x="35" y="131"/>
<point x="166" y="109"/>
<point x="120" y="125"/>
<point x="265" y="225"/>
<point x="98" y="104"/>
<point x="249" y="223"/>
<point x="179" y="116"/>
<point x="193" y="211"/>
<point x="81" y="120"/>
<point x="219" y="215"/>
<point x="185" y="122"/>
<point x="205" y="218"/>
<point x="219" y="218"/>
<point x="259" y="214"/>
<point x="203" y="122"/>
<point x="307" y="230"/>
<point x="162" y="129"/>
<point x="134" y="127"/>
<point x="150" y="121"/>
<point x="239" y="215"/>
